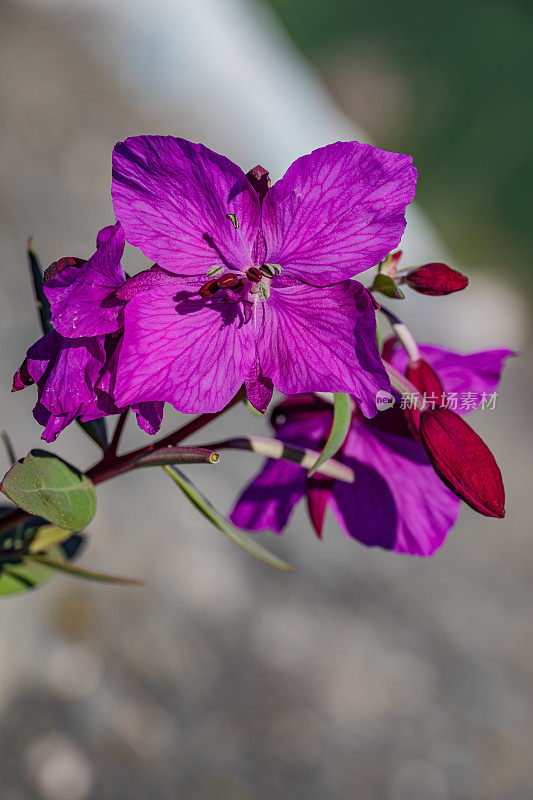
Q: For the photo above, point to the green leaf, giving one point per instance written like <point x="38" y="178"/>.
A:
<point x="18" y="573"/>
<point x="45" y="485"/>
<point x="97" y="430"/>
<point x="21" y="576"/>
<point x="342" y="417"/>
<point x="46" y="537"/>
<point x="219" y="521"/>
<point x="387" y="286"/>
<point x="41" y="301"/>
<point x="81" y="572"/>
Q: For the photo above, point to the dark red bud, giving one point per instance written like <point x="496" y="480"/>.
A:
<point x="423" y="376"/>
<point x="58" y="266"/>
<point x="258" y="177"/>
<point x="436" y="279"/>
<point x="254" y="274"/>
<point x="425" y="379"/>
<point x="388" y="348"/>
<point x="463" y="461"/>
<point x="318" y="493"/>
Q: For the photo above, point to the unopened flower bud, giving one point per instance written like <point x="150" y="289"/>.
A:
<point x="318" y="493"/>
<point x="463" y="461"/>
<point x="436" y="279"/>
<point x="425" y="379"/>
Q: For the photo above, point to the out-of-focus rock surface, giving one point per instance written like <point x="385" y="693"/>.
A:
<point x="364" y="675"/>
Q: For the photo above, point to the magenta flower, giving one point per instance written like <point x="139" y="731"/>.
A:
<point x="74" y="366"/>
<point x="261" y="294"/>
<point x="396" y="501"/>
<point x="474" y="374"/>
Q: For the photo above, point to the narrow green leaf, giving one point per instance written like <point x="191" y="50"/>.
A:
<point x="219" y="521"/>
<point x="46" y="537"/>
<point x="41" y="301"/>
<point x="342" y="417"/>
<point x="81" y="572"/>
<point x="19" y="574"/>
<point x="387" y="286"/>
<point x="8" y="444"/>
<point x="45" y="485"/>
<point x="97" y="430"/>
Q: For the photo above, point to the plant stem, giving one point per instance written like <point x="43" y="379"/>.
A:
<point x="113" y="447"/>
<point x="273" y="448"/>
<point x="109" y="467"/>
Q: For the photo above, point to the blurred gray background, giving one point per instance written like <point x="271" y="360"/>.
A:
<point x="365" y="674"/>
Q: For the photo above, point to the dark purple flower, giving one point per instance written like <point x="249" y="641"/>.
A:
<point x="397" y="500"/>
<point x="232" y="242"/>
<point x="476" y="374"/>
<point x="74" y="366"/>
<point x="82" y="296"/>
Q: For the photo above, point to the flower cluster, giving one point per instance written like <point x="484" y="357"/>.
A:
<point x="252" y="290"/>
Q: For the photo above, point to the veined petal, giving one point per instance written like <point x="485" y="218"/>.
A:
<point x="269" y="499"/>
<point x="82" y="298"/>
<point x="69" y="382"/>
<point x="396" y="500"/>
<point x="149" y="416"/>
<point x="321" y="339"/>
<point x="173" y="198"/>
<point x="337" y="211"/>
<point x="53" y="424"/>
<point x="179" y="348"/>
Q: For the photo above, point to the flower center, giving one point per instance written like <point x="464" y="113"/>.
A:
<point x="255" y="281"/>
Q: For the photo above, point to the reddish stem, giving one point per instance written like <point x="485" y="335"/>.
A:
<point x="115" y="441"/>
<point x="112" y="465"/>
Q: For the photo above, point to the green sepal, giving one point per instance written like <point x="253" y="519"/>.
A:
<point x="41" y="301"/>
<point x="387" y="286"/>
<point x="96" y="429"/>
<point x="342" y="417"/>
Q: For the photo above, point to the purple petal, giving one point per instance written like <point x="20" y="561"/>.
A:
<point x="52" y="424"/>
<point x="475" y="374"/>
<point x="82" y="298"/>
<point x="173" y="198"/>
<point x="71" y="376"/>
<point x="322" y="339"/>
<point x="396" y="501"/>
<point x="179" y="348"/>
<point x="147" y="279"/>
<point x="269" y="499"/>
<point x="259" y="389"/>
<point x="149" y="416"/>
<point x="337" y="211"/>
